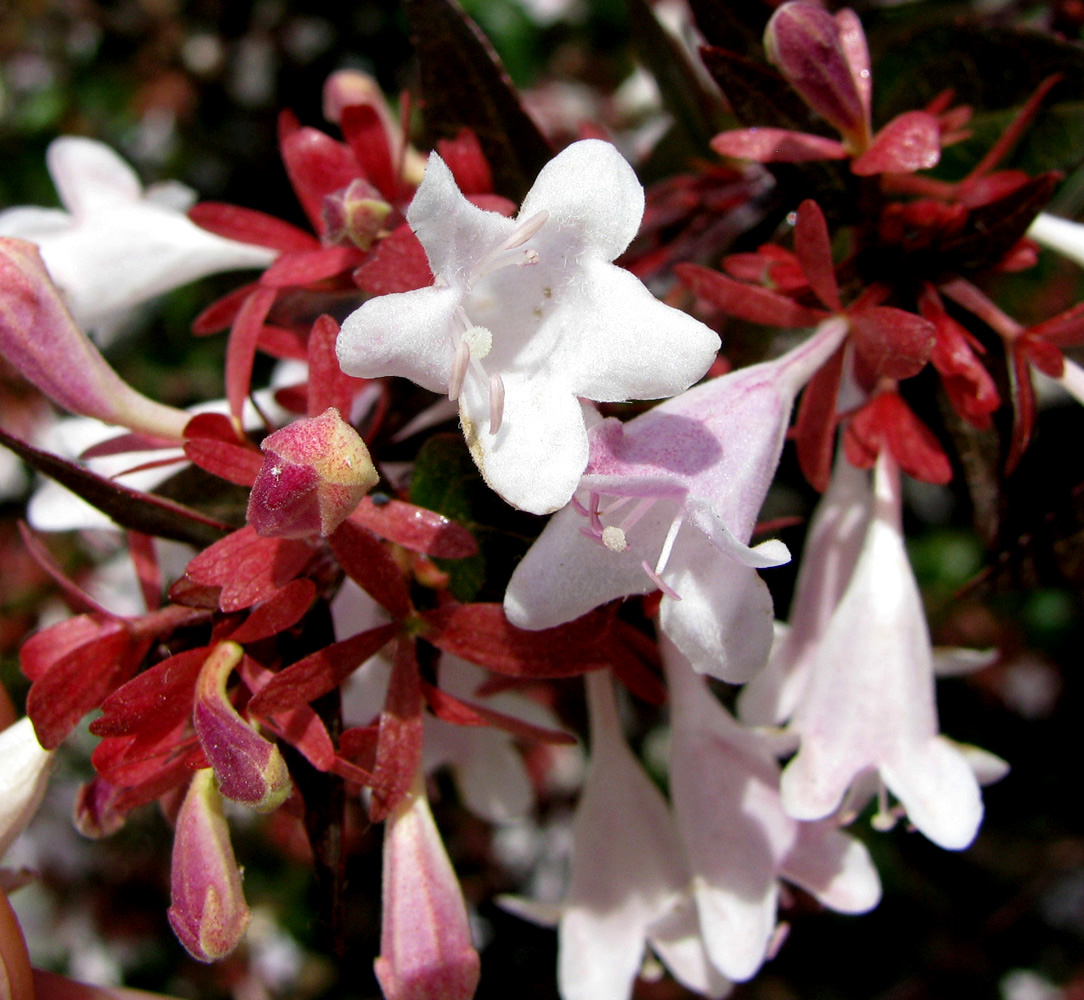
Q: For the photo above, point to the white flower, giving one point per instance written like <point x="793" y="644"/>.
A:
<point x="23" y="777"/>
<point x="868" y="704"/>
<point x="526" y="316"/>
<point x="117" y="245"/>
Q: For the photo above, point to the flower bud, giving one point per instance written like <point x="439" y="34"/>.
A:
<point x="355" y="215"/>
<point x="249" y="769"/>
<point x="25" y="774"/>
<point x="803" y="41"/>
<point x="208" y="912"/>
<point x="315" y="473"/>
<point x="40" y="338"/>
<point x="425" y="942"/>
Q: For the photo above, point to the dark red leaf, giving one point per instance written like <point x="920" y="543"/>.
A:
<point x="371" y="566"/>
<point x="248" y="567"/>
<point x="416" y="528"/>
<point x="397" y="263"/>
<point x="399" y="743"/>
<point x="481" y="633"/>
<point x="749" y="302"/>
<point x="320" y="672"/>
<point x="249" y="226"/>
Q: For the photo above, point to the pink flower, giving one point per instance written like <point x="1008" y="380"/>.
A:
<point x="688" y="479"/>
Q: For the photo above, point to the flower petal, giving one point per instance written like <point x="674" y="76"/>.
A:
<point x="89" y="176"/>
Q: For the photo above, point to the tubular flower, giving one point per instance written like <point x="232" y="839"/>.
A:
<point x="693" y="470"/>
<point x="528" y="315"/>
<point x="118" y="245"/>
<point x="868" y="703"/>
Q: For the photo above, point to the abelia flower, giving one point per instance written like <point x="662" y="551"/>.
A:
<point x="526" y="316"/>
<point x="669" y="502"/>
<point x="629" y="883"/>
<point x="39" y="337"/>
<point x="426" y="950"/>
<point x="25" y="774"/>
<point x="737" y="838"/>
<point x="868" y="704"/>
<point x="118" y="245"/>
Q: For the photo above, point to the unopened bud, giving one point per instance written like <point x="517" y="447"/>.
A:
<point x="249" y="769"/>
<point x="803" y="41"/>
<point x="25" y="773"/>
<point x="40" y="338"/>
<point x="425" y="942"/>
<point x="315" y="473"/>
<point x="208" y="911"/>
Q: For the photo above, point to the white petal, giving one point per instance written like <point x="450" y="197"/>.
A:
<point x="405" y="333"/>
<point x="89" y="176"/>
<point x="834" y="867"/>
<point x="29" y="222"/>
<point x="677" y="939"/>
<point x="537" y="457"/>
<point x="939" y="790"/>
<point x="22" y="779"/>
<point x="589" y="189"/>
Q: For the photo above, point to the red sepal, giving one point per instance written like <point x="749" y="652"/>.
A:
<point x="278" y="613"/>
<point x="229" y="461"/>
<point x="1023" y="401"/>
<point x="317" y="166"/>
<point x="399" y="743"/>
<point x="892" y="342"/>
<point x="310" y="266"/>
<point x="241" y="349"/>
<point x="467" y="162"/>
<point x="815" y="426"/>
<point x="464" y="713"/>
<point x="910" y="142"/>
<point x="364" y="133"/>
<point x="219" y="315"/>
<point x="371" y="566"/>
<point x="396" y="264"/>
<point x="777" y="145"/>
<point x="415" y="528"/>
<point x="813" y="248"/>
<point x="249" y="226"/>
<point x="887" y="421"/>
<point x="329" y="385"/>
<point x="77" y="598"/>
<point x="749" y="302"/>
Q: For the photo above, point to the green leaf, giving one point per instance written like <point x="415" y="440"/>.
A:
<point x="463" y="84"/>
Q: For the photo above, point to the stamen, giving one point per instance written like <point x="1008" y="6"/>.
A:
<point x="530" y="256"/>
<point x="668" y="544"/>
<point x="522" y="233"/>
<point x="496" y="403"/>
<point x="480" y="341"/>
<point x="459" y="370"/>
<point x="660" y="582"/>
<point x="596" y="521"/>
<point x="614" y="539"/>
<point x="882" y="820"/>
<point x="637" y="512"/>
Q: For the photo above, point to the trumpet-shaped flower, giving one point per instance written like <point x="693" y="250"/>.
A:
<point x="738" y="839"/>
<point x="526" y="316"/>
<point x="868" y="703"/>
<point x="118" y="245"/>
<point x="629" y="880"/>
<point x="669" y="501"/>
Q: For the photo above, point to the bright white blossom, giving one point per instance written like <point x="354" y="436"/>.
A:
<point x="118" y="245"/>
<point x="868" y="705"/>
<point x="22" y="779"/>
<point x="669" y="501"/>
<point x="526" y="316"/>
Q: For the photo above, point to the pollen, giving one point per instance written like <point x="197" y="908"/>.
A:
<point x="480" y="341"/>
<point x="614" y="539"/>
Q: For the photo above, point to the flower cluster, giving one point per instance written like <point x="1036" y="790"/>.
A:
<point x="356" y="621"/>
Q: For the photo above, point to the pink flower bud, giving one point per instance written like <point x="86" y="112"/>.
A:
<point x="425" y="943"/>
<point x="249" y="769"/>
<point x="208" y="912"/>
<point x="315" y="473"/>
<point x="355" y="215"/>
<point x="805" y="42"/>
<point x="40" y="338"/>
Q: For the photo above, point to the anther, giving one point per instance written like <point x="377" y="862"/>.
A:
<point x="614" y="539"/>
<point x="480" y="341"/>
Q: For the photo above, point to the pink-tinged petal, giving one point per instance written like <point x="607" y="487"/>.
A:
<point x="536" y="458"/>
<point x="405" y="333"/>
<point x="627" y="867"/>
<point x="723" y="622"/>
<point x="208" y="912"/>
<point x="831" y="550"/>
<point x="425" y="941"/>
<point x="804" y="41"/>
<point x="39" y="337"/>
<point x="592" y="197"/>
<point x="910" y="142"/>
<point x="939" y="790"/>
<point x="777" y="145"/>
<point x="454" y="232"/>
<point x="678" y="940"/>
<point x="833" y="867"/>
